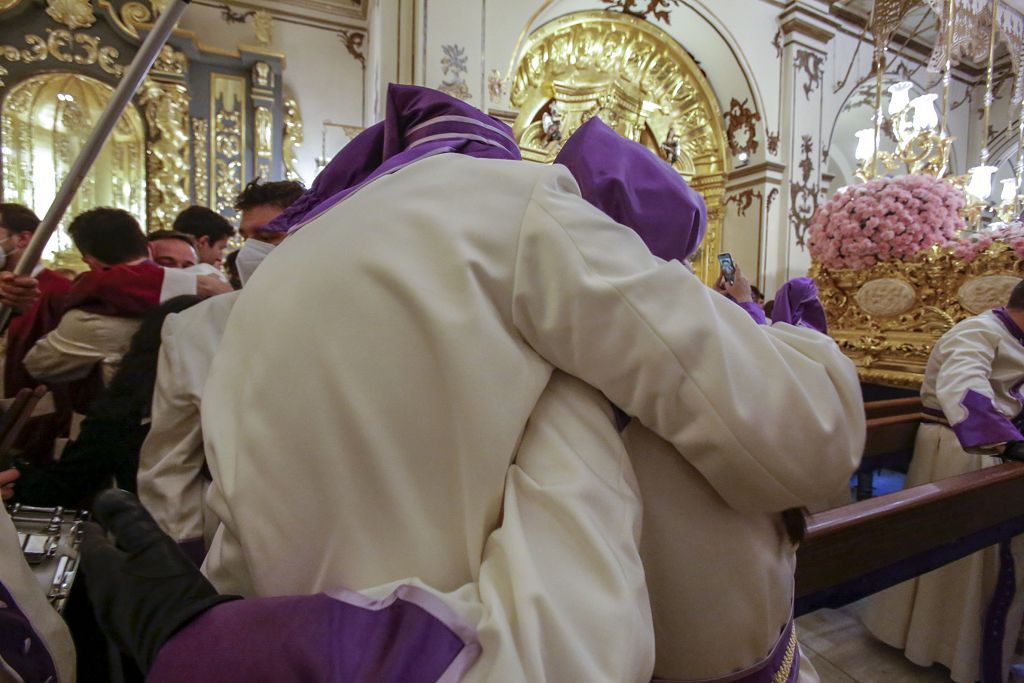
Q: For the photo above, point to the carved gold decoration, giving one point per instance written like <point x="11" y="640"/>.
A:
<point x="131" y="16"/>
<point x="64" y="46"/>
<point x="639" y="81"/>
<point x="353" y="41"/>
<point x="9" y="4"/>
<point x="200" y="147"/>
<point x="44" y="133"/>
<point x="886" y="297"/>
<point x="293" y="137"/>
<point x="3" y="72"/>
<point x="170" y="62"/>
<point x="72" y="13"/>
<point x="264" y="129"/>
<point x="893" y="349"/>
<point x="166" y="107"/>
<point x="263" y="24"/>
<point x="227" y="113"/>
<point x="986" y="292"/>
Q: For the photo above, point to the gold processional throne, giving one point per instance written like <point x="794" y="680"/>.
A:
<point x="639" y="81"/>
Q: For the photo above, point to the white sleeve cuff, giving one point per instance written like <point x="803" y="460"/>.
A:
<point x="177" y="282"/>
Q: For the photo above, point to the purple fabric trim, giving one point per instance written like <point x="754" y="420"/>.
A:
<point x="409" y="637"/>
<point x="1008" y="323"/>
<point x="764" y="671"/>
<point x="995" y="618"/>
<point x="984" y="425"/>
<point x="637" y="189"/>
<point x="797" y="303"/>
<point x="414" y="117"/>
<point x="194" y="549"/>
<point x="20" y="646"/>
<point x="755" y="311"/>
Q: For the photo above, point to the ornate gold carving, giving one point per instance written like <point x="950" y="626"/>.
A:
<point x="886" y="297"/>
<point x="3" y="72"/>
<point x="639" y="81"/>
<point x="658" y="9"/>
<point x="894" y="349"/>
<point x="170" y="62"/>
<point x="166" y="107"/>
<point x="263" y="24"/>
<point x="986" y="292"/>
<point x="200" y="147"/>
<point x="743" y="121"/>
<point x="227" y="102"/>
<point x="262" y="75"/>
<point x="61" y="45"/>
<point x="72" y="13"/>
<point x="8" y="4"/>
<point x="293" y="137"/>
<point x="264" y="129"/>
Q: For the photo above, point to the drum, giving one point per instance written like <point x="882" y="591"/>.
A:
<point x="49" y="537"/>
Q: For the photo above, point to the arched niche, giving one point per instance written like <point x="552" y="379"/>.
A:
<point x="641" y="82"/>
<point x="44" y="122"/>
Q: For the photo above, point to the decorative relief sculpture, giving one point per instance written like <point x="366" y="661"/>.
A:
<point x="200" y="147"/>
<point x="803" y="195"/>
<point x="228" y="136"/>
<point x="671" y="147"/>
<point x="170" y="62"/>
<point x="453" y="66"/>
<point x="658" y="9"/>
<point x="744" y="200"/>
<point x="72" y="13"/>
<point x="886" y="297"/>
<point x="986" y="292"/>
<point x="495" y="85"/>
<point x="551" y="124"/>
<point x="166" y="110"/>
<point x="263" y="24"/>
<point x="741" y="127"/>
<point x="293" y="137"/>
<point x="353" y="41"/>
<point x="264" y="130"/>
<point x="64" y="46"/>
<point x="772" y="143"/>
<point x="812" y="64"/>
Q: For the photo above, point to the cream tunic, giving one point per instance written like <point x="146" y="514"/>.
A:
<point x="938" y="617"/>
<point x="360" y="419"/>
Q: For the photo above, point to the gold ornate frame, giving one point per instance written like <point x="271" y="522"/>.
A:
<point x="641" y="82"/>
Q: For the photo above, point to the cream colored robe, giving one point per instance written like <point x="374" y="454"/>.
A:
<point x="378" y="371"/>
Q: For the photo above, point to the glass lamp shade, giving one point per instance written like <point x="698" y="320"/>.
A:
<point x="925" y="115"/>
<point x="900" y="97"/>
<point x="865" y="144"/>
<point x="1009" y="191"/>
<point x="980" y="184"/>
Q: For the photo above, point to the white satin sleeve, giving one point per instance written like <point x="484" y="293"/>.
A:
<point x="772" y="417"/>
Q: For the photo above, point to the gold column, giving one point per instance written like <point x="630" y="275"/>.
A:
<point x="165" y="100"/>
<point x="228" y="135"/>
<point x="263" y="127"/>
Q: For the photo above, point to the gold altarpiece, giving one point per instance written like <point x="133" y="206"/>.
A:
<point x="638" y="80"/>
<point x="205" y="122"/>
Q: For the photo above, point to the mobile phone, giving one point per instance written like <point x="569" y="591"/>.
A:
<point x="728" y="267"/>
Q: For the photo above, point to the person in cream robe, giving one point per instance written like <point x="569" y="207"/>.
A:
<point x="972" y="406"/>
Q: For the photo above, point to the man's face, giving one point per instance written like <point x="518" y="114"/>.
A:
<point x="212" y="253"/>
<point x="171" y="253"/>
<point x="13" y="243"/>
<point x="255" y="220"/>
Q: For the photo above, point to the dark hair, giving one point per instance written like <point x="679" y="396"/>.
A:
<point x="280" y="193"/>
<point x="199" y="221"/>
<point x="758" y="296"/>
<point x="111" y="236"/>
<point x="18" y="218"/>
<point x="171" y="235"/>
<point x="1017" y="297"/>
<point x="231" y="266"/>
<point x="130" y="393"/>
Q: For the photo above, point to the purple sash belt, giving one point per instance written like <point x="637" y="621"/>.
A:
<point x="781" y="666"/>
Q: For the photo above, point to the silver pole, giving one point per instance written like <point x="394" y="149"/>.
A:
<point x="130" y="82"/>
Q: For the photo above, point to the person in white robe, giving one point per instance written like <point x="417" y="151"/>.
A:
<point x="972" y="405"/>
<point x="717" y="545"/>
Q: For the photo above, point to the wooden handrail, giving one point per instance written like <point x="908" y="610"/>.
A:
<point x="855" y="540"/>
<point x="893" y="406"/>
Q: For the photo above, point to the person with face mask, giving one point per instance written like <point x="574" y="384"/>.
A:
<point x="173" y="478"/>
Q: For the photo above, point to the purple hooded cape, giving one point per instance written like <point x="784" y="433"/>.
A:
<point x="636" y="188"/>
<point x="797" y="303"/>
<point x="419" y="123"/>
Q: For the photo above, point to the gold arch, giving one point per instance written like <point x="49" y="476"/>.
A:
<point x="641" y="82"/>
<point x="44" y="121"/>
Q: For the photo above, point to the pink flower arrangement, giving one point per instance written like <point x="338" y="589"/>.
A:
<point x="886" y="219"/>
<point x="973" y="244"/>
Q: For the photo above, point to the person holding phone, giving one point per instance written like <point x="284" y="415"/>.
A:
<point x="734" y="284"/>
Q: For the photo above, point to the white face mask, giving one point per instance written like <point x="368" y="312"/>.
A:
<point x="4" y="257"/>
<point x="250" y="256"/>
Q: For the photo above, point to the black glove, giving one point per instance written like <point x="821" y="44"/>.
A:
<point x="1014" y="450"/>
<point x="145" y="589"/>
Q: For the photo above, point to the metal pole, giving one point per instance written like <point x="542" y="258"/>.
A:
<point x="989" y="77"/>
<point x="130" y="82"/>
<point x="947" y="75"/>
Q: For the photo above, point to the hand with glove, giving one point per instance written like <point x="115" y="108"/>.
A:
<point x="143" y="588"/>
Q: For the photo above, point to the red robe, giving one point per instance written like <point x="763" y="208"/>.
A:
<point x="123" y="291"/>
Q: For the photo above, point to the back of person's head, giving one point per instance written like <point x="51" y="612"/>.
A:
<point x="200" y="221"/>
<point x="1016" y="302"/>
<point x="131" y="390"/>
<point x="160" y="235"/>
<point x="110" y="236"/>
<point x="279" y="193"/>
<point x="15" y="218"/>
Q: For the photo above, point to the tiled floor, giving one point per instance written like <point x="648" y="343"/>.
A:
<point x="843" y="652"/>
